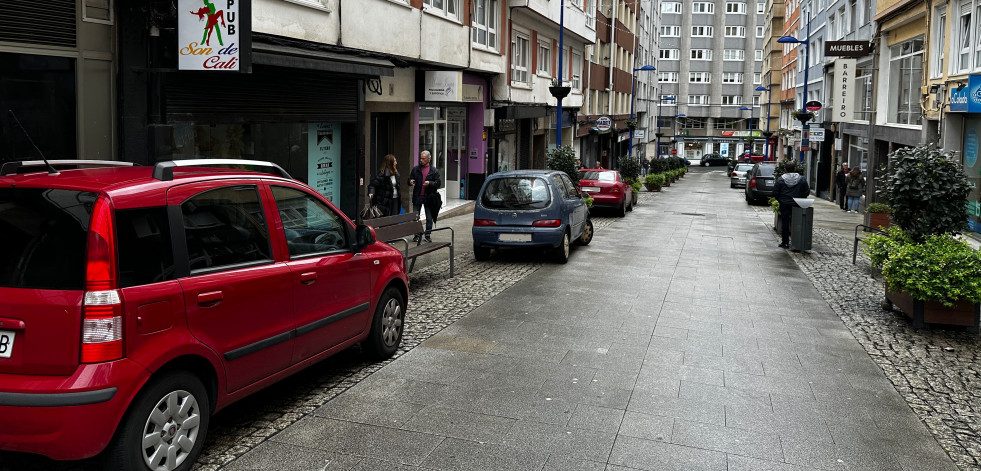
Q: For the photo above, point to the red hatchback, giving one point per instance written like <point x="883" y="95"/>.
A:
<point x="607" y="189"/>
<point x="137" y="301"/>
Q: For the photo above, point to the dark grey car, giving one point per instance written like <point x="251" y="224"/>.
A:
<point x="759" y="182"/>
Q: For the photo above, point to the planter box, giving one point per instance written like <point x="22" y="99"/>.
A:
<point x="633" y="197"/>
<point x="776" y="222"/>
<point x="877" y="220"/>
<point x="652" y="187"/>
<point x="925" y="313"/>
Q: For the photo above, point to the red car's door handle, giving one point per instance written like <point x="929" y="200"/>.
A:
<point x="210" y="298"/>
<point x="308" y="278"/>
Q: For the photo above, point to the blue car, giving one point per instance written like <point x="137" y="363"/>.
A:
<point x="530" y="208"/>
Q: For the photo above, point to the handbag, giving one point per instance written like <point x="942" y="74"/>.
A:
<point x="371" y="211"/>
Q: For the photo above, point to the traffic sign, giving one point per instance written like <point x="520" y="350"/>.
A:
<point x="813" y="105"/>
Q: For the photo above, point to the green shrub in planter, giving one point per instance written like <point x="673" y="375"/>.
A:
<point x="798" y="167"/>
<point x="927" y="190"/>
<point x="941" y="268"/>
<point x="657" y="166"/>
<point x="774" y="205"/>
<point x="589" y="201"/>
<point x="636" y="184"/>
<point x="878" y="208"/>
<point x="655" y="179"/>
<point x="564" y="159"/>
<point x="879" y="247"/>
<point x="629" y="167"/>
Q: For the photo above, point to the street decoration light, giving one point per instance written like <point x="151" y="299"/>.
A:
<point x="660" y="99"/>
<point x="633" y="98"/>
<point x="767" y="133"/>
<point x="803" y="116"/>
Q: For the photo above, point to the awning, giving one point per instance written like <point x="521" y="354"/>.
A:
<point x="295" y="57"/>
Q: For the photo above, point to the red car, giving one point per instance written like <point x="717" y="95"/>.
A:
<point x="137" y="301"/>
<point x="607" y="189"/>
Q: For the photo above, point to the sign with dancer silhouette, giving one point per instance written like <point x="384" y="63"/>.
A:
<point x="209" y="34"/>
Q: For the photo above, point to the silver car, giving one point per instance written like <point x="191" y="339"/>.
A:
<point x="737" y="177"/>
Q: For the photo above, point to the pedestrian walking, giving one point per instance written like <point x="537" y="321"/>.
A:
<point x="426" y="180"/>
<point x="384" y="188"/>
<point x="790" y="185"/>
<point x="840" y="185"/>
<point x="855" y="188"/>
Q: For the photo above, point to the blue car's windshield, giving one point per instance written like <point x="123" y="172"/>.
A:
<point x="516" y="193"/>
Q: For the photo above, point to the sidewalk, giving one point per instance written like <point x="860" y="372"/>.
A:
<point x="681" y="338"/>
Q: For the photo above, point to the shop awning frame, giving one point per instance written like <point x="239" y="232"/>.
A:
<point x="333" y="62"/>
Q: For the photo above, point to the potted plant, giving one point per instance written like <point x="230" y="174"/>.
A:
<point x="630" y="123"/>
<point x="635" y="185"/>
<point x="802" y="116"/>
<point x="557" y="90"/>
<point x="775" y="207"/>
<point x="933" y="281"/>
<point x="877" y="215"/>
<point x="564" y="159"/>
<point x="588" y="200"/>
<point x="654" y="181"/>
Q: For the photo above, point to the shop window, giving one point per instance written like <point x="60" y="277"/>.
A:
<point x="40" y="91"/>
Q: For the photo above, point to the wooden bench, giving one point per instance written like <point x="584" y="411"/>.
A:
<point x="401" y="228"/>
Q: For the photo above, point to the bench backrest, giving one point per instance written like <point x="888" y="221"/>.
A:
<point x="396" y="227"/>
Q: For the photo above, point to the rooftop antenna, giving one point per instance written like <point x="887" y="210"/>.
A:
<point x="51" y="169"/>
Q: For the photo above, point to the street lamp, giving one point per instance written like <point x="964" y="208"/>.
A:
<point x="749" y="150"/>
<point x="804" y="127"/>
<point x="767" y="134"/>
<point x="660" y="99"/>
<point x="633" y="97"/>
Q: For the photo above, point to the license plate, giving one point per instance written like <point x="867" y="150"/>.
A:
<point x="590" y="189"/>
<point x="6" y="343"/>
<point x="514" y="237"/>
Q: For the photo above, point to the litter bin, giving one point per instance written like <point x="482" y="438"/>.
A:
<point x="801" y="223"/>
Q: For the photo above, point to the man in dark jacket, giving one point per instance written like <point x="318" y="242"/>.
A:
<point x="790" y="185"/>
<point x="425" y="180"/>
<point x="840" y="182"/>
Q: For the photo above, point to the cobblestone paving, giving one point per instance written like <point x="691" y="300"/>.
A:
<point x="435" y="301"/>
<point x="938" y="372"/>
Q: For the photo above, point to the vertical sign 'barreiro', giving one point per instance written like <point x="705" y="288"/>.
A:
<point x="208" y="34"/>
<point x="844" y="91"/>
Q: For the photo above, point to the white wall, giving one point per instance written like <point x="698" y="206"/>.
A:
<point x="314" y="23"/>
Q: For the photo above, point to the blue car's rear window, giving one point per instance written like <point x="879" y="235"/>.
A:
<point x="516" y="193"/>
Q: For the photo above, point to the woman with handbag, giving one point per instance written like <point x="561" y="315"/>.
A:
<point x="383" y="191"/>
<point x="426" y="180"/>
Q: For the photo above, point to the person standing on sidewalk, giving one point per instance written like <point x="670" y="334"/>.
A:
<point x="384" y="188"/>
<point x="425" y="193"/>
<point x="855" y="189"/>
<point x="840" y="186"/>
<point x="790" y="185"/>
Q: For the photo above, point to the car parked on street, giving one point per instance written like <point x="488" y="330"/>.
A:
<point x="712" y="159"/>
<point x="608" y="190"/>
<point x="759" y="182"/>
<point x="530" y="208"/>
<point x="137" y="301"/>
<point x="737" y="177"/>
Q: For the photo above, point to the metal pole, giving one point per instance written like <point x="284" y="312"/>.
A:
<point x="805" y="141"/>
<point x="633" y="91"/>
<point x="769" y="96"/>
<point x="658" y="135"/>
<point x="558" y="121"/>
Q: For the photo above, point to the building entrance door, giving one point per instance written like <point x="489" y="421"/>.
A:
<point x="442" y="131"/>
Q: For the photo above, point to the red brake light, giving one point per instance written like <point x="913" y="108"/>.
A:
<point x="484" y="222"/>
<point x="614" y="189"/>
<point x="547" y="223"/>
<point x="733" y="174"/>
<point x="752" y="182"/>
<point x="102" y="321"/>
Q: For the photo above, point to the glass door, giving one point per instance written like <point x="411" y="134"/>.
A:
<point x="442" y="131"/>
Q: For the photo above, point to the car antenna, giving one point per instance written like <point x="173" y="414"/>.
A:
<point x="51" y="169"/>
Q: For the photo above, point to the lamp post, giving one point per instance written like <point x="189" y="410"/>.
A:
<point x="803" y="119"/>
<point x="660" y="99"/>
<point x="633" y="97"/>
<point x="749" y="140"/>
<point x="767" y="133"/>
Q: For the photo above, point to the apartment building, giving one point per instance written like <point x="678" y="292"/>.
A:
<point x="603" y="132"/>
<point x="710" y="63"/>
<point x="772" y="79"/>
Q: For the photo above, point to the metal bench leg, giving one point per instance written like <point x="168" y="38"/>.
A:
<point x="451" y="260"/>
<point x="412" y="265"/>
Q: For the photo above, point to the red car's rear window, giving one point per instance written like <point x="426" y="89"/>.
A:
<point x="44" y="233"/>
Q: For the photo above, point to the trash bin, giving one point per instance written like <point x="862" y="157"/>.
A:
<point x="801" y="223"/>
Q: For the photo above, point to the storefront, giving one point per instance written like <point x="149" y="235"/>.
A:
<point x="62" y="97"/>
<point x="290" y="102"/>
<point x="964" y="125"/>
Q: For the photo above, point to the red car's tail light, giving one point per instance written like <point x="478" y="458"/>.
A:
<point x="484" y="222"/>
<point x="614" y="189"/>
<point x="547" y="223"/>
<point x="102" y="321"/>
